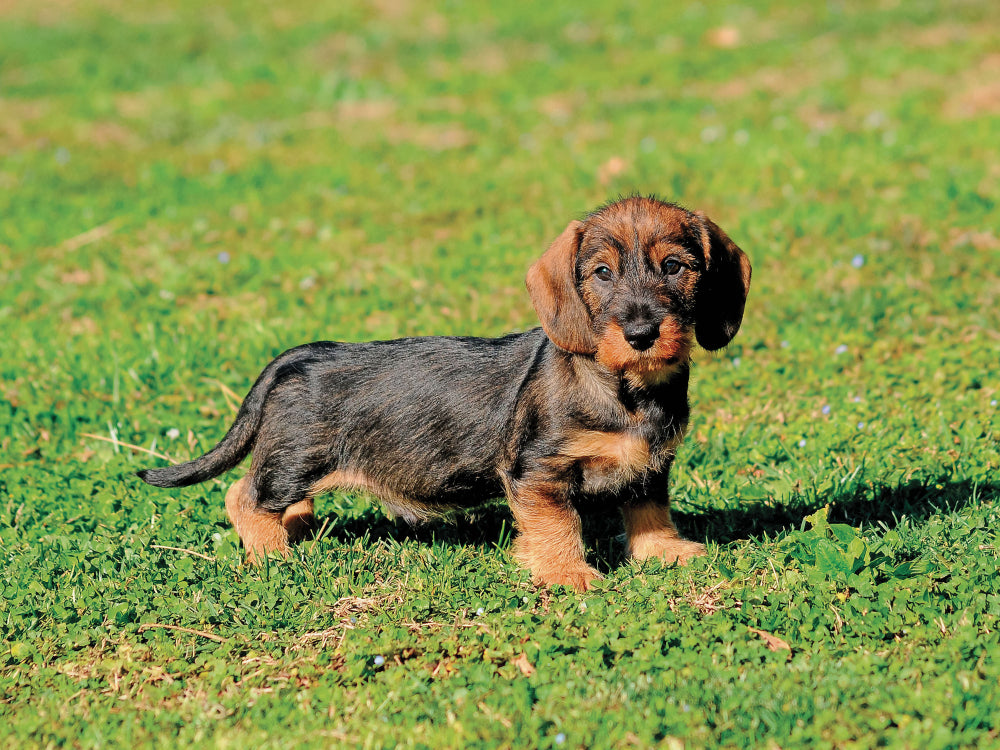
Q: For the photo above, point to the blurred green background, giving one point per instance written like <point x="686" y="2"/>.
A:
<point x="187" y="190"/>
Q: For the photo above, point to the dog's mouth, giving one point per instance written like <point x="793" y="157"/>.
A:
<point x="668" y="352"/>
<point x="654" y="361"/>
<point x="650" y="371"/>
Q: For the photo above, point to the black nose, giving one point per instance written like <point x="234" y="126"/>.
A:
<point x="640" y="336"/>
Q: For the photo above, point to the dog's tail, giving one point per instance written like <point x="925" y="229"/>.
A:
<point x="240" y="438"/>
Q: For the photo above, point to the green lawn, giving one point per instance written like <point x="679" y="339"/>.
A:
<point x="187" y="190"/>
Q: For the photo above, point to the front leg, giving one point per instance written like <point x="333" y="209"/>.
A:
<point x="550" y="542"/>
<point x="651" y="531"/>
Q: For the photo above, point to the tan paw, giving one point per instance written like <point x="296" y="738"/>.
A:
<point x="668" y="549"/>
<point x="575" y="577"/>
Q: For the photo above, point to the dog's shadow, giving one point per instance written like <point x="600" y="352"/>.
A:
<point x="488" y="525"/>
<point x="884" y="505"/>
<point x="492" y="525"/>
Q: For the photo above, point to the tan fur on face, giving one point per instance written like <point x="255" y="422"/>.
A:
<point x="651" y="533"/>
<point x="550" y="543"/>
<point x="653" y="366"/>
<point x="648" y="219"/>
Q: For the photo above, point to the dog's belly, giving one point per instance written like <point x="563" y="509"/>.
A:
<point x="463" y="489"/>
<point x="416" y="496"/>
<point x="415" y="511"/>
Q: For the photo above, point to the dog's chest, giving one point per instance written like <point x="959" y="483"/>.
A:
<point x="607" y="461"/>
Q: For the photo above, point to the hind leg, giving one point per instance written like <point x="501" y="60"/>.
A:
<point x="263" y="531"/>
<point x="299" y="520"/>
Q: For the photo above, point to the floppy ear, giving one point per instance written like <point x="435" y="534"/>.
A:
<point x="722" y="290"/>
<point x="552" y="285"/>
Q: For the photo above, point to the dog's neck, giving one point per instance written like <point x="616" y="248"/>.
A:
<point x="627" y="390"/>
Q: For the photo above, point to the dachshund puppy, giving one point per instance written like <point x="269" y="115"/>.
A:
<point x="586" y="411"/>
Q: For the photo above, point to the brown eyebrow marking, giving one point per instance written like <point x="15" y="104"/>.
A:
<point x="610" y="253"/>
<point x="663" y="248"/>
<point x="607" y="238"/>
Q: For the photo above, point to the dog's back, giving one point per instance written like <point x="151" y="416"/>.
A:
<point x="426" y="419"/>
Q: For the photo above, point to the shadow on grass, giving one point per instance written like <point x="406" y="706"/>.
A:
<point x="856" y="506"/>
<point x="492" y="524"/>
<point x="486" y="526"/>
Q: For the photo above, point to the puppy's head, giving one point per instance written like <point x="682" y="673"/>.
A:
<point x="636" y="282"/>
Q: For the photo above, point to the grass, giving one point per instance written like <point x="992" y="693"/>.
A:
<point x="187" y="191"/>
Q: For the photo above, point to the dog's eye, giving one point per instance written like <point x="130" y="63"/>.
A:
<point x="603" y="273"/>
<point x="672" y="266"/>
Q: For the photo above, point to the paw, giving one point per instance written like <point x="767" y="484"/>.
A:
<point x="684" y="551"/>
<point x="668" y="549"/>
<point x="256" y="553"/>
<point x="577" y="577"/>
<point x="555" y="564"/>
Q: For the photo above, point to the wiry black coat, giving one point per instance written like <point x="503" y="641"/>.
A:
<point x="442" y="421"/>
